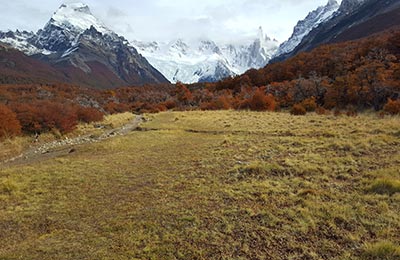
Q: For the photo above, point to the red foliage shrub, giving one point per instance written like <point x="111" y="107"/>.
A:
<point x="298" y="110"/>
<point x="309" y="104"/>
<point x="392" y="107"/>
<point x="160" y="108"/>
<point x="183" y="94"/>
<point x="89" y="114"/>
<point x="115" y="108"/>
<point x="259" y="101"/>
<point x="351" y="112"/>
<point x="28" y="116"/>
<point x="9" y="124"/>
<point x="337" y="112"/>
<point x="321" y="111"/>
<point x="221" y="103"/>
<point x="57" y="116"/>
<point x="169" y="104"/>
<point x="44" y="116"/>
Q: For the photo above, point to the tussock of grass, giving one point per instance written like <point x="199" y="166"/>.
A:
<point x="383" y="250"/>
<point x="8" y="187"/>
<point x="257" y="170"/>
<point x="385" y="186"/>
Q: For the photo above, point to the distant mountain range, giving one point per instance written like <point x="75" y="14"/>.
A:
<point x="205" y="60"/>
<point x="75" y="47"/>
<point x="88" y="53"/>
<point x="85" y="51"/>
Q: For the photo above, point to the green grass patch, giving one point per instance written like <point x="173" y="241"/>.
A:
<point x="385" y="186"/>
<point x="383" y="250"/>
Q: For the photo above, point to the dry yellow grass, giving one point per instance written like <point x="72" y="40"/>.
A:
<point x="212" y="185"/>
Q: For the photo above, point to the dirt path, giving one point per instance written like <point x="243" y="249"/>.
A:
<point x="68" y="146"/>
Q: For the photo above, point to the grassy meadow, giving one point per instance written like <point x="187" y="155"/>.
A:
<point x="213" y="185"/>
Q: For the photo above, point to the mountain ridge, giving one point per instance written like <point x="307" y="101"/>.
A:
<point x="354" y="19"/>
<point x="305" y="26"/>
<point x="204" y="60"/>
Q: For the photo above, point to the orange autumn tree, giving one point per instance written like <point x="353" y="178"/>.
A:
<point x="255" y="99"/>
<point x="260" y="101"/>
<point x="392" y="107"/>
<point x="183" y="94"/>
<point x="9" y="124"/>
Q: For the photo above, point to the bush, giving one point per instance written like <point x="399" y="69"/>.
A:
<point x="57" y="116"/>
<point x="381" y="251"/>
<point x="9" y="124"/>
<point x="115" y="108"/>
<point x="183" y="94"/>
<point x="89" y="114"/>
<point x="261" y="101"/>
<point x="258" y="101"/>
<point x="221" y="103"/>
<point x="337" y="113"/>
<point x="351" y="112"/>
<point x="169" y="104"/>
<point x="298" y="110"/>
<point x="322" y="111"/>
<point x="392" y="107"/>
<point x="28" y="116"/>
<point x="44" y="116"/>
<point x="309" y="104"/>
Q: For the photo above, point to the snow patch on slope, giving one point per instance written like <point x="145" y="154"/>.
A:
<point x="77" y="16"/>
<point x="22" y="42"/>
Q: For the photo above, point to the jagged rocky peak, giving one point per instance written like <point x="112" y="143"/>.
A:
<point x="74" y="37"/>
<point x="263" y="37"/>
<point x="66" y="25"/>
<point x="208" y="46"/>
<point x="180" y="45"/>
<point x="76" y="16"/>
<point x="304" y="27"/>
<point x="268" y="44"/>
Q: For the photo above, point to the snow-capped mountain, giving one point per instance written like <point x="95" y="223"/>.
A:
<point x="304" y="27"/>
<point x="205" y="60"/>
<point x="354" y="19"/>
<point x="75" y="39"/>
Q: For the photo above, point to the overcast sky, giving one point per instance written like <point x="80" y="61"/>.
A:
<point x="220" y="20"/>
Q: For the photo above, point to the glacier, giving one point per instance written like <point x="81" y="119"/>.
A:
<point x="203" y="60"/>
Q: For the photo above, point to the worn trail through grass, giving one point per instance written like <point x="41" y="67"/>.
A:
<point x="64" y="147"/>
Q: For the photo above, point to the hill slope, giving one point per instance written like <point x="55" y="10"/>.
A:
<point x="354" y="20"/>
<point x="17" y="68"/>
